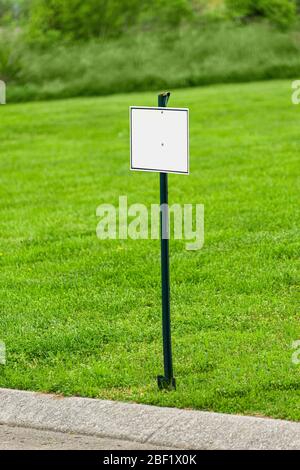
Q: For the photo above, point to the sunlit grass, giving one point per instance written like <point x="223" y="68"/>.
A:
<point x="81" y="316"/>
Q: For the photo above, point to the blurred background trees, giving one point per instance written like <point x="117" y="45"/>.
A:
<point x="82" y="20"/>
<point x="62" y="48"/>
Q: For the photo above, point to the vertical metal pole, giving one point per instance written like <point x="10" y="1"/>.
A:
<point x="167" y="381"/>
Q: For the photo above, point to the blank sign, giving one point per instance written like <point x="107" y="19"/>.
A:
<point x="159" y="139"/>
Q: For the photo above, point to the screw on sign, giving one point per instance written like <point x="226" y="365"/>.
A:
<point x="159" y="142"/>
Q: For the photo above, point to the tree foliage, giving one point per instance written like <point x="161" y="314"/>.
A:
<point x="280" y="12"/>
<point x="77" y="19"/>
<point x="83" y="20"/>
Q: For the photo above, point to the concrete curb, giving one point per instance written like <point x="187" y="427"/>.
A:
<point x="184" y="429"/>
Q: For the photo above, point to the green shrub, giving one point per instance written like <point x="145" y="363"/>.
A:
<point x="11" y="53"/>
<point x="279" y="12"/>
<point x="218" y="53"/>
<point x="168" y="14"/>
<point x="77" y="19"/>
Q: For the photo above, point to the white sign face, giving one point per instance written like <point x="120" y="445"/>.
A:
<point x="159" y="139"/>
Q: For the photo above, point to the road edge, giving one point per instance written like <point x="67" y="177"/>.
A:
<point x="182" y="429"/>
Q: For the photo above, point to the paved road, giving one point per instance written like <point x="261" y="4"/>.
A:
<point x="16" y="438"/>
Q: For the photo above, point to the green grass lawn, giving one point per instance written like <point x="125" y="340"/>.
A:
<point x="81" y="316"/>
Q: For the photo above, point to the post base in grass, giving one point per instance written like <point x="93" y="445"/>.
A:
<point x="166" y="384"/>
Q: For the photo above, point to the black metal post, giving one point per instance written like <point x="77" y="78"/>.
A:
<point x="167" y="381"/>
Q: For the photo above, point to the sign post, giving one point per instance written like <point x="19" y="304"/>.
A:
<point x="159" y="142"/>
<point x="167" y="381"/>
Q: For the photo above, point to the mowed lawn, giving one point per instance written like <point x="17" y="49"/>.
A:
<point x="81" y="316"/>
